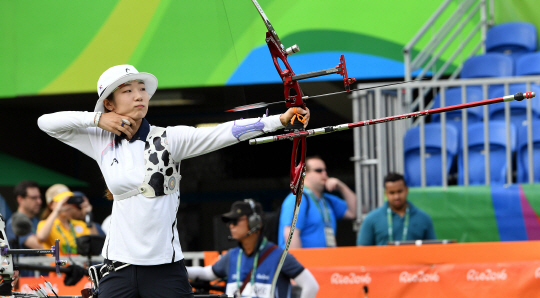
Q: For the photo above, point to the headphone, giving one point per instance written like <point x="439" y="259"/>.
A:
<point x="254" y="220"/>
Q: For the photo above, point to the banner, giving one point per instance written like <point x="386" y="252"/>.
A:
<point x="482" y="213"/>
<point x="518" y="279"/>
<point x="476" y="270"/>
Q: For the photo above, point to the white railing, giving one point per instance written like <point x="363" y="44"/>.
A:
<point x="196" y="258"/>
<point x="379" y="148"/>
<point x="451" y="39"/>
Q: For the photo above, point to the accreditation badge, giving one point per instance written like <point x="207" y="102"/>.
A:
<point x="330" y="237"/>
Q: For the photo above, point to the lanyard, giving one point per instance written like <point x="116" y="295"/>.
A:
<point x="390" y="226"/>
<point x="68" y="245"/>
<point x="255" y="263"/>
<point x="326" y="214"/>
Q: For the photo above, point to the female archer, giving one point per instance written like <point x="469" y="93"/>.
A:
<point x="140" y="163"/>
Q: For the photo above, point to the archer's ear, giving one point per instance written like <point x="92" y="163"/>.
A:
<point x="109" y="107"/>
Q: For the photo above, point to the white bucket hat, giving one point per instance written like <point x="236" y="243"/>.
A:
<point x="118" y="75"/>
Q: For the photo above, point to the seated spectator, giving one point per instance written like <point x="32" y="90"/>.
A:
<point x="254" y="253"/>
<point x="396" y="220"/>
<point x="57" y="222"/>
<point x="29" y="204"/>
<point x="84" y="213"/>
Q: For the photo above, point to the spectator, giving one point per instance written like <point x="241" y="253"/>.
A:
<point x="57" y="222"/>
<point x="396" y="220"/>
<point x="254" y="253"/>
<point x="319" y="211"/>
<point x="5" y="211"/>
<point x="29" y="203"/>
<point x="83" y="212"/>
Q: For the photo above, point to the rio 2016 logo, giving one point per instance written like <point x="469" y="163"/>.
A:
<point x="350" y="279"/>
<point x="486" y="275"/>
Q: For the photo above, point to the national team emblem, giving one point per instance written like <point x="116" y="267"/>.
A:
<point x="172" y="183"/>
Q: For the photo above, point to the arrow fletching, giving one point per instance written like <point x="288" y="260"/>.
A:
<point x="253" y="106"/>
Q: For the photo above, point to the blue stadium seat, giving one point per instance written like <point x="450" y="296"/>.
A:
<point x="528" y="64"/>
<point x="453" y="97"/>
<point x="518" y="109"/>
<point x="497" y="148"/>
<point x="487" y="66"/>
<point x="522" y="153"/>
<point x="514" y="38"/>
<point x="433" y="149"/>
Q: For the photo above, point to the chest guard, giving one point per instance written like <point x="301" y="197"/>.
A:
<point x="162" y="173"/>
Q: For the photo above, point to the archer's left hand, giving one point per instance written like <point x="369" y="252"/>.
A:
<point x="287" y="116"/>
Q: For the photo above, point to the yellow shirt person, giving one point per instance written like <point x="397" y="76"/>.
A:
<point x="68" y="243"/>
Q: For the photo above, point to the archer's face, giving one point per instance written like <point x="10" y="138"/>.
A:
<point x="130" y="99"/>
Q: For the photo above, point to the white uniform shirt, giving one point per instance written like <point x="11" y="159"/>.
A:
<point x="142" y="230"/>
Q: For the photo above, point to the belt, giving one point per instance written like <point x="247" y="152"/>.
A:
<point x="110" y="265"/>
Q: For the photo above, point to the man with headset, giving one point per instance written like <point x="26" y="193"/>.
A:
<point x="250" y="267"/>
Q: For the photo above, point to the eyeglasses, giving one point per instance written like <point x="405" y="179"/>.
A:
<point x="34" y="197"/>
<point x="319" y="170"/>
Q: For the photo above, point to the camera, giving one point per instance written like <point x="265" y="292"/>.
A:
<point x="75" y="200"/>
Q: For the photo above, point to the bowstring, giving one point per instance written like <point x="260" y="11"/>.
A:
<point x="242" y="94"/>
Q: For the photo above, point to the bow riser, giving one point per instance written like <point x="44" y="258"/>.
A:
<point x="298" y="168"/>
<point x="291" y="99"/>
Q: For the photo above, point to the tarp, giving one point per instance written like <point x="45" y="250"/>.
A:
<point x="14" y="170"/>
<point x="482" y="213"/>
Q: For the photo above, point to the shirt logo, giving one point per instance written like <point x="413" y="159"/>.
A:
<point x="114" y="160"/>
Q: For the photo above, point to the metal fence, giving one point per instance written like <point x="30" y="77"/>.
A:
<point x="379" y="149"/>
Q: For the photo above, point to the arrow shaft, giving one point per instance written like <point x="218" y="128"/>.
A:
<point x="330" y="129"/>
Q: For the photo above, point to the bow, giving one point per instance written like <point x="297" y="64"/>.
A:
<point x="294" y="97"/>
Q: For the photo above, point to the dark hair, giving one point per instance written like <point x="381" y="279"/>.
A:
<point x="110" y="97"/>
<point x="109" y="195"/>
<point x="310" y="158"/>
<point x="20" y="189"/>
<point x="393" y="177"/>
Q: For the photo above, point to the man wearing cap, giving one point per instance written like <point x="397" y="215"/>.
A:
<point x="250" y="267"/>
<point x="140" y="164"/>
<point x="58" y="224"/>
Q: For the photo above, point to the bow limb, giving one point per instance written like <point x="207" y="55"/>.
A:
<point x="299" y="194"/>
<point x="293" y="98"/>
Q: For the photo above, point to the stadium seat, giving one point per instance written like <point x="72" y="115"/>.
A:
<point x="518" y="109"/>
<point x="528" y="64"/>
<point x="522" y="153"/>
<point x="514" y="39"/>
<point x="453" y="97"/>
<point x="487" y="66"/>
<point x="497" y="149"/>
<point x="433" y="151"/>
